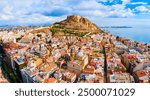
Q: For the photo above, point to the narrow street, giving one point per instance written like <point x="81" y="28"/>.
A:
<point x="7" y="70"/>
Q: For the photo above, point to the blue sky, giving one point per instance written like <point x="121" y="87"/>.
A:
<point x="102" y="12"/>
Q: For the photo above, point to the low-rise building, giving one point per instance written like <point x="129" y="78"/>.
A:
<point x="28" y="74"/>
<point x="51" y="80"/>
<point x="120" y="78"/>
<point x="143" y="76"/>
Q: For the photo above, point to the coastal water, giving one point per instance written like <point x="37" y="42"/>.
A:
<point x="140" y="34"/>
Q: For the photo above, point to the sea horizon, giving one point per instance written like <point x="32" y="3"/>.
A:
<point x="134" y="33"/>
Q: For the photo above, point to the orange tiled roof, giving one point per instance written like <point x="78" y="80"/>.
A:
<point x="142" y="73"/>
<point x="51" y="80"/>
<point x="12" y="45"/>
<point x="89" y="70"/>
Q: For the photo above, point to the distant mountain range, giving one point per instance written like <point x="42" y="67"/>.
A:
<point x="29" y="25"/>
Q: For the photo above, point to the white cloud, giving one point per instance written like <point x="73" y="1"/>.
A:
<point x="121" y="22"/>
<point x="40" y="11"/>
<point x="124" y="2"/>
<point x="102" y="0"/>
<point x="6" y="17"/>
<point x="141" y="3"/>
<point x="87" y="5"/>
<point x="142" y="9"/>
<point x="92" y="8"/>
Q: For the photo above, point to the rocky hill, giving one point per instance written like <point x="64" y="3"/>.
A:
<point x="76" y="24"/>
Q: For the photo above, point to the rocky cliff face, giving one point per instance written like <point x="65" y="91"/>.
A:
<point x="78" y="23"/>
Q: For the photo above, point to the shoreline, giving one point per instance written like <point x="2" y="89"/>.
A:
<point x="120" y="33"/>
